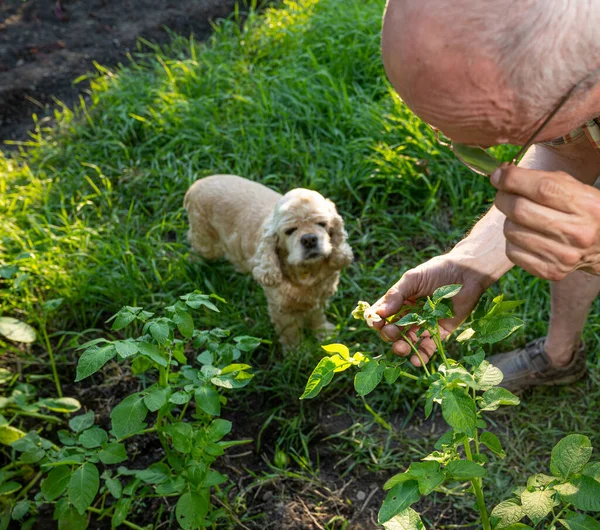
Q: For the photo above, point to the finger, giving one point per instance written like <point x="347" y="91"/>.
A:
<point x="401" y="348"/>
<point x="405" y="289"/>
<point x="534" y="264"/>
<point x="543" y="246"/>
<point x="555" y="189"/>
<point x="390" y="333"/>
<point x="529" y="214"/>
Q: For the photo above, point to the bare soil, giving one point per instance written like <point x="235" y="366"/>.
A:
<point x="46" y="44"/>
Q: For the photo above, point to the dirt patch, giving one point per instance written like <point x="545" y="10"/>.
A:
<point x="45" y="46"/>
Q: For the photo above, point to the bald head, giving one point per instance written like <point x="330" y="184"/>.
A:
<point x="486" y="72"/>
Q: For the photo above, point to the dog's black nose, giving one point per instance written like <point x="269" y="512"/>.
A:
<point x="309" y="240"/>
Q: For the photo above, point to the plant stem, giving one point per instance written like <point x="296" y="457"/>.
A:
<point x="416" y="353"/>
<point x="125" y="522"/>
<point x="51" y="356"/>
<point x="32" y="482"/>
<point x="437" y="338"/>
<point x="37" y="415"/>
<point x="556" y="517"/>
<point x="485" y="521"/>
<point x="145" y="431"/>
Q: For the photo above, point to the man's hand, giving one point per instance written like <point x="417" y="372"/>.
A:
<point x="552" y="222"/>
<point x="422" y="281"/>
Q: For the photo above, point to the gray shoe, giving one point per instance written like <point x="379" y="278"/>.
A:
<point x="531" y="366"/>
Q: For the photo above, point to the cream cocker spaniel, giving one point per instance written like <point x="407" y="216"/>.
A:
<point x="294" y="245"/>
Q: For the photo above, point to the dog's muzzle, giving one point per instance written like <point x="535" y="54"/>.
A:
<point x="310" y="244"/>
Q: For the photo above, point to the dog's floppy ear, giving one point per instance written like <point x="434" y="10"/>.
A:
<point x="341" y="254"/>
<point x="266" y="268"/>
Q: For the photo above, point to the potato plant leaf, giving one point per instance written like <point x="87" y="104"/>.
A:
<point x="93" y="359"/>
<point x="367" y="380"/>
<point x="538" y="503"/>
<point x="192" y="508"/>
<point x="406" y="520"/>
<point x="398" y="499"/>
<point x="83" y="486"/>
<point x="581" y="491"/>
<point x="459" y="411"/>
<point x="56" y="482"/>
<point x="579" y="521"/>
<point x="17" y="331"/>
<point x="570" y="455"/>
<point x="320" y="378"/>
<point x="447" y="291"/>
<point x="128" y="416"/>
<point x="464" y="470"/>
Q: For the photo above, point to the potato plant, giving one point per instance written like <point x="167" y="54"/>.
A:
<point x="84" y="471"/>
<point x="465" y="389"/>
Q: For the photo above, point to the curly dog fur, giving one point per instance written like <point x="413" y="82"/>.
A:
<point x="294" y="245"/>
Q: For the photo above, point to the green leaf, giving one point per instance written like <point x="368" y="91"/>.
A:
<point x="367" y="380"/>
<point x="185" y="323"/>
<point x="246" y="343"/>
<point x="476" y="359"/>
<point x="459" y="411"/>
<point x="592" y="469"/>
<point x="83" y="486"/>
<point x="113" y="453"/>
<point x="570" y="455"/>
<point x="16" y="330"/>
<point x="126" y="348"/>
<point x="197" y="300"/>
<point x="398" y="499"/>
<point x="93" y="437"/>
<point x="20" y="510"/>
<point x="581" y="491"/>
<point x="56" y="482"/>
<point x="492" y="442"/>
<point x="392" y="373"/>
<point x="447" y="291"/>
<point x="159" y="330"/>
<point x="121" y="511"/>
<point x="539" y="480"/>
<point x="52" y="305"/>
<point x="152" y="352"/>
<point x="10" y="434"/>
<point x="537" y="504"/>
<point x="491" y="330"/>
<point x="157" y="398"/>
<point x="191" y="509"/>
<point x="7" y="488"/>
<point x="207" y="399"/>
<point x="155" y="474"/>
<point x="495" y="397"/>
<point x="93" y="359"/>
<point x="507" y="513"/>
<point x="410" y="320"/>
<point x="82" y="422"/>
<point x="128" y="416"/>
<point x="579" y="521"/>
<point x="180" y="397"/>
<point x="65" y="405"/>
<point x="427" y="474"/>
<point x="114" y="486"/>
<point x="464" y="470"/>
<point x="70" y="518"/>
<point x="182" y="435"/>
<point x="124" y="317"/>
<point x="406" y="520"/>
<point x="218" y="429"/>
<point x="487" y="376"/>
<point x="320" y="377"/>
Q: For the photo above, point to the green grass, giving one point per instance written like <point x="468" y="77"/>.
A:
<point x="92" y="213"/>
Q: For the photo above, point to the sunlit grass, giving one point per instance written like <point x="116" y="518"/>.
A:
<point x="92" y="208"/>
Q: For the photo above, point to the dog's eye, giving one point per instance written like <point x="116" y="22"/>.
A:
<point x="323" y="224"/>
<point x="290" y="231"/>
